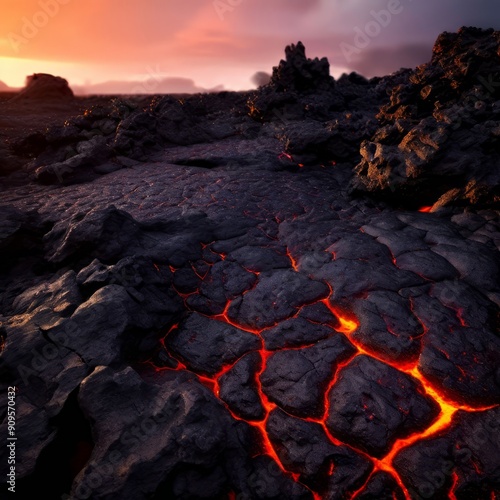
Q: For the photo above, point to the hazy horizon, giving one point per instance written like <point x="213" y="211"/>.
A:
<point x="219" y="44"/>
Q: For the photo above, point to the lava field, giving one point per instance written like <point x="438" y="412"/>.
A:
<point x="290" y="293"/>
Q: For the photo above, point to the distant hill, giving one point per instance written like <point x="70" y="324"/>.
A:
<point x="42" y="86"/>
<point x="172" y="85"/>
<point x="5" y="88"/>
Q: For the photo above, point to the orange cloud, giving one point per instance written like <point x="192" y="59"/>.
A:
<point x="120" y="39"/>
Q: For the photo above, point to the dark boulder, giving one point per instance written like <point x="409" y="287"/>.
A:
<point x="41" y="86"/>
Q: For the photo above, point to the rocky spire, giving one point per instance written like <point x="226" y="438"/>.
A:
<point x="299" y="73"/>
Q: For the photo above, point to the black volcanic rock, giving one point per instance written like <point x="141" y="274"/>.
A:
<point x="22" y="263"/>
<point x="212" y="320"/>
<point x="42" y="87"/>
<point x="461" y="349"/>
<point x="233" y="280"/>
<point x="87" y="235"/>
<point x="300" y="87"/>
<point x="109" y="311"/>
<point x="439" y="137"/>
<point x="460" y="461"/>
<point x="461" y="60"/>
<point x="9" y="163"/>
<point x="135" y="134"/>
<point x="267" y="482"/>
<point x="373" y="404"/>
<point x="296" y="379"/>
<point x="239" y="390"/>
<point x="381" y="486"/>
<point x="304" y="448"/>
<point x="296" y="332"/>
<point x="388" y="326"/>
<point x="172" y="419"/>
<point x="109" y="234"/>
<point x="87" y="163"/>
<point x="282" y="292"/>
<point x="299" y="73"/>
<point x="206" y="345"/>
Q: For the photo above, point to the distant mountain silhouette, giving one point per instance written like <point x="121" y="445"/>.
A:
<point x="5" y="88"/>
<point x="152" y="85"/>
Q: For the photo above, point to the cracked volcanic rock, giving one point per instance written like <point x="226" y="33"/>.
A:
<point x="371" y="405"/>
<point x="297" y="379"/>
<point x="192" y="305"/>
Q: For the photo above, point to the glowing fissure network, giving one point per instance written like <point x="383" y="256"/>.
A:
<point x="346" y="324"/>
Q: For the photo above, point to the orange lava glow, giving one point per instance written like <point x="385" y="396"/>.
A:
<point x="347" y="324"/>
<point x="268" y="406"/>
<point x="294" y="263"/>
<point x="285" y="156"/>
<point x="224" y="317"/>
<point x="442" y="422"/>
<point x="454" y="478"/>
<point x="447" y="410"/>
<point x="425" y="210"/>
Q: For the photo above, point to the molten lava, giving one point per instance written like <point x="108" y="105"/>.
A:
<point x="268" y="447"/>
<point x="454" y="478"/>
<point x="285" y="156"/>
<point x="294" y="263"/>
<point x="345" y="323"/>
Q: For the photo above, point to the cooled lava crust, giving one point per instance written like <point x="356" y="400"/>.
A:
<point x="223" y="320"/>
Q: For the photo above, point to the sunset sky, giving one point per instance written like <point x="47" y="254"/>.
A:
<point x="209" y="43"/>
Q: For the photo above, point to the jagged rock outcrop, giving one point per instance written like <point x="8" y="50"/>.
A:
<point x="439" y="137"/>
<point x="300" y="87"/>
<point x="301" y="74"/>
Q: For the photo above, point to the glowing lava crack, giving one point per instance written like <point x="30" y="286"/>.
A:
<point x="250" y="373"/>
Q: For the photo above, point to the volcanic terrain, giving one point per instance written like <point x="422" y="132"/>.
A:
<point x="289" y="293"/>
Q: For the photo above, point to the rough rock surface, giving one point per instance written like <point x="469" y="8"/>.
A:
<point x="358" y="412"/>
<point x="438" y="142"/>
<point x="212" y="320"/>
<point x="299" y="73"/>
<point x="296" y="379"/>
